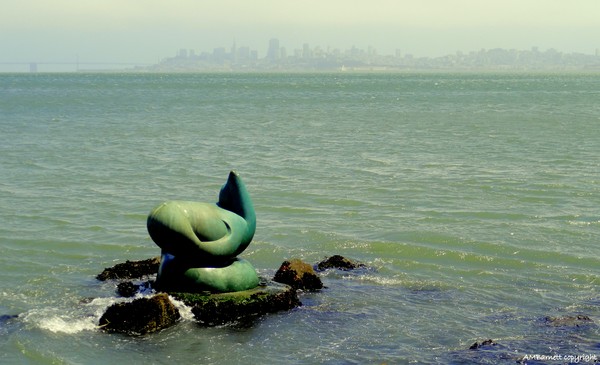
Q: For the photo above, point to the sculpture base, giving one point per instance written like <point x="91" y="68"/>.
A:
<point x="240" y="307"/>
<point x="176" y="274"/>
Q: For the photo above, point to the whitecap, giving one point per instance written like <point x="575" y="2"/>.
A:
<point x="50" y="320"/>
<point x="68" y="325"/>
<point x="184" y="310"/>
<point x="84" y="317"/>
<point x="378" y="280"/>
<point x="87" y="316"/>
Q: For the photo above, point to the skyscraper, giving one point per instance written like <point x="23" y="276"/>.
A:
<point x="273" y="54"/>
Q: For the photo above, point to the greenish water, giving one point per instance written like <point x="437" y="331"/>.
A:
<point x="473" y="198"/>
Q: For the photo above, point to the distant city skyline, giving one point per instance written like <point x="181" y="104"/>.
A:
<point x="130" y="31"/>
<point x="307" y="57"/>
<point x="315" y="57"/>
<point x="274" y="44"/>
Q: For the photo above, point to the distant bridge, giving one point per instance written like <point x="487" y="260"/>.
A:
<point x="33" y="66"/>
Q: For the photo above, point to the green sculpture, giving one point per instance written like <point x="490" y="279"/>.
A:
<point x="200" y="241"/>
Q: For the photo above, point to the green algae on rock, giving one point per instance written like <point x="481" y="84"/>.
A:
<point x="340" y="263"/>
<point x="140" y="317"/>
<point x="299" y="275"/>
<point x="213" y="309"/>
<point x="130" y="269"/>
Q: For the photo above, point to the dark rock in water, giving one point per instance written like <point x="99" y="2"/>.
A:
<point x="142" y="316"/>
<point x="127" y="289"/>
<point x="298" y="275"/>
<point x="148" y="315"/>
<point x="6" y="317"/>
<point x="131" y="269"/>
<point x="489" y="352"/>
<point x="338" y="262"/>
<point x="213" y="309"/>
<point x="568" y="320"/>
<point x="477" y="345"/>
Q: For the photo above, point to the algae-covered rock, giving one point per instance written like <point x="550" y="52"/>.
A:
<point x="568" y="321"/>
<point x="127" y="289"/>
<point x="477" y="345"/>
<point x="212" y="309"/>
<point x="298" y="274"/>
<point x="7" y="317"/>
<point x="338" y="262"/>
<point x="130" y="269"/>
<point x="142" y="316"/>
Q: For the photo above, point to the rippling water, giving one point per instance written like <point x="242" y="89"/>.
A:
<point x="473" y="199"/>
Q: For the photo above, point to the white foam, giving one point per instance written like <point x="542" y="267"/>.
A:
<point x="379" y="280"/>
<point x="184" y="310"/>
<point x="68" y="325"/>
<point x="86" y="316"/>
<point x="49" y="319"/>
<point x="583" y="223"/>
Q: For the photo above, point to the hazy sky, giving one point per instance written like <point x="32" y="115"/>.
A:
<point x="149" y="30"/>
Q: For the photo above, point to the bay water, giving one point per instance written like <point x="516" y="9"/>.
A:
<point x="472" y="198"/>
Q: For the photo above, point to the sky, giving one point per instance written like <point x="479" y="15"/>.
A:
<point x="146" y="31"/>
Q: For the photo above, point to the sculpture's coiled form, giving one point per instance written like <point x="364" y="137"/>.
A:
<point x="200" y="241"/>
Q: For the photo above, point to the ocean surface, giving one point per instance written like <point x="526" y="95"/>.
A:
<point x="473" y="199"/>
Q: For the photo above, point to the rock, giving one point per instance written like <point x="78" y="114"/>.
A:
<point x="477" y="345"/>
<point x="131" y="269"/>
<point x="568" y="320"/>
<point x="7" y="317"/>
<point x="213" y="309"/>
<point x="298" y="275"/>
<point x="142" y="316"/>
<point x="338" y="262"/>
<point x="127" y="289"/>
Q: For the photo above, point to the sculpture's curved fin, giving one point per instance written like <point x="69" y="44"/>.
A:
<point x="235" y="198"/>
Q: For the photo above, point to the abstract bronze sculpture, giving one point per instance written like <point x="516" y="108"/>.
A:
<point x="200" y="241"/>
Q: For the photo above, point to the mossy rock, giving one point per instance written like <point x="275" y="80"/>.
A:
<point x="568" y="321"/>
<point x="340" y="263"/>
<point x="130" y="270"/>
<point x="140" y="317"/>
<point x="127" y="289"/>
<point x="299" y="275"/>
<point x="485" y="343"/>
<point x="213" y="309"/>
